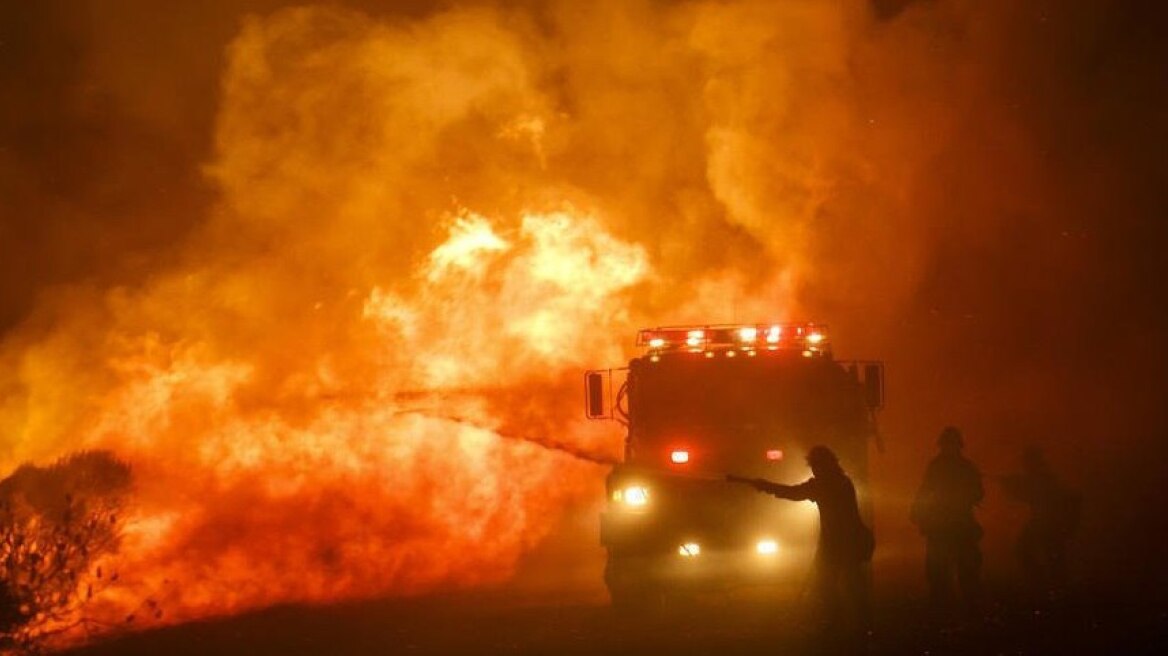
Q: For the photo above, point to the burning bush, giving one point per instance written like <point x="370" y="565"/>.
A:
<point x="56" y="524"/>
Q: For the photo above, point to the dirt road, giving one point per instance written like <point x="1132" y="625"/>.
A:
<point x="494" y="623"/>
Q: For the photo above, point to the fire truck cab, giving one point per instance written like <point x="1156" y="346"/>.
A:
<point x="704" y="401"/>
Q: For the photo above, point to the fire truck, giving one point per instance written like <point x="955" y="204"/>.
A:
<point x="703" y="401"/>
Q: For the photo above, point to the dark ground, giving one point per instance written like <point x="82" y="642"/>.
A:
<point x="494" y="623"/>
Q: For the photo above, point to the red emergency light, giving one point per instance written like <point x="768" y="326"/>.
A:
<point x="809" y="338"/>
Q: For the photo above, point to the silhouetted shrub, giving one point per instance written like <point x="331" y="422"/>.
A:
<point x="55" y="524"/>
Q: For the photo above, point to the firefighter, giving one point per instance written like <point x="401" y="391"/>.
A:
<point x="845" y="543"/>
<point x="943" y="511"/>
<point x="1054" y="514"/>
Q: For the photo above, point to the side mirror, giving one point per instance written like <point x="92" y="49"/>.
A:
<point x="874" y="386"/>
<point x="594" y="395"/>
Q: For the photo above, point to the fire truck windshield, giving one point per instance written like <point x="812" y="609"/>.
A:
<point x="729" y="412"/>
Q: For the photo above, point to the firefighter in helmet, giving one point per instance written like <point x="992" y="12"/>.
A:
<point x="845" y="543"/>
<point x="1054" y="515"/>
<point x="943" y="510"/>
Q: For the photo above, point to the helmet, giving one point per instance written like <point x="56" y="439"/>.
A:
<point x="950" y="438"/>
<point x="822" y="456"/>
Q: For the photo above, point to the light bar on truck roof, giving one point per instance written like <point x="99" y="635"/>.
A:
<point x="809" y="338"/>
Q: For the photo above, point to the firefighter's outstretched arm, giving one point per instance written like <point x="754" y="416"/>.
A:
<point x="793" y="492"/>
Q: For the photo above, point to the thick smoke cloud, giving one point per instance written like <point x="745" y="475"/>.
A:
<point x="311" y="261"/>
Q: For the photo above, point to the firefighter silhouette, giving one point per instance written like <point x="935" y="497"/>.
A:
<point x="1054" y="515"/>
<point x="845" y="543"/>
<point x="943" y="511"/>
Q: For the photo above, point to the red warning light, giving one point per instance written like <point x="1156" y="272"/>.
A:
<point x="679" y="457"/>
<point x="774" y="454"/>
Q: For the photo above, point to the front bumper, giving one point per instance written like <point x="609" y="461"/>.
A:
<point x="644" y="550"/>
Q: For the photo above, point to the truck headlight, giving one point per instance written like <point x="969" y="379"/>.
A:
<point x="633" y="496"/>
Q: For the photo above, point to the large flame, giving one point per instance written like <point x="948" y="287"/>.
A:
<point x="365" y="454"/>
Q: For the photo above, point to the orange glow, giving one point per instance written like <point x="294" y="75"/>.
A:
<point x="774" y="454"/>
<point x="679" y="457"/>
